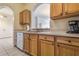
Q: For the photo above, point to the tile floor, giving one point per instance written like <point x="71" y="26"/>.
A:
<point x="7" y="49"/>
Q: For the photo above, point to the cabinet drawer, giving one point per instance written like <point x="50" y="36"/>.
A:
<point x="46" y="37"/>
<point x="26" y="35"/>
<point x="47" y="42"/>
<point x="33" y="36"/>
<point x="68" y="40"/>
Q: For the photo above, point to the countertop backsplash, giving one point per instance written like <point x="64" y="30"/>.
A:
<point x="61" y="24"/>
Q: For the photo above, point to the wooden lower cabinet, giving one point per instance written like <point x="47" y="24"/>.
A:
<point x="45" y="45"/>
<point x="76" y="52"/>
<point x="47" y="48"/>
<point x="67" y="50"/>
<point x="26" y="43"/>
<point x="56" y="9"/>
<point x="67" y="46"/>
<point x="33" y="44"/>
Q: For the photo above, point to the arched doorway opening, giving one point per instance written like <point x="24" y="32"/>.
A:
<point x="6" y="33"/>
<point x="6" y="25"/>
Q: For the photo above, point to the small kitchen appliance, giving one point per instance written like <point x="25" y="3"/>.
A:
<point x="73" y="26"/>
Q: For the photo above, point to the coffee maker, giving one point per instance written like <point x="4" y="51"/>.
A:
<point x="73" y="26"/>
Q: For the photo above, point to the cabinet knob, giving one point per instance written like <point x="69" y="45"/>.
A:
<point x="69" y="41"/>
<point x="45" y="38"/>
<point x="61" y="14"/>
<point x="29" y="39"/>
<point x="58" y="45"/>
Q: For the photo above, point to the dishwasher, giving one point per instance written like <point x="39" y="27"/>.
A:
<point x="19" y="40"/>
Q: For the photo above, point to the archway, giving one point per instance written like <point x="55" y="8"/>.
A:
<point x="6" y="23"/>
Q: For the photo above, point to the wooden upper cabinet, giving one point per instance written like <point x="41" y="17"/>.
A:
<point x="55" y="9"/>
<point x="64" y="10"/>
<point x="25" y="17"/>
<point x="72" y="8"/>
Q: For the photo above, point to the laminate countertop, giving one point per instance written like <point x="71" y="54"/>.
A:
<point x="54" y="33"/>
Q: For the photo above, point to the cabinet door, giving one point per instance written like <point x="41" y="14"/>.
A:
<point x="21" y="17"/>
<point x="72" y="8"/>
<point x="67" y="50"/>
<point x="25" y="17"/>
<point x="56" y="9"/>
<point x="33" y="45"/>
<point x="47" y="48"/>
<point x="76" y="51"/>
<point x="26" y="43"/>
